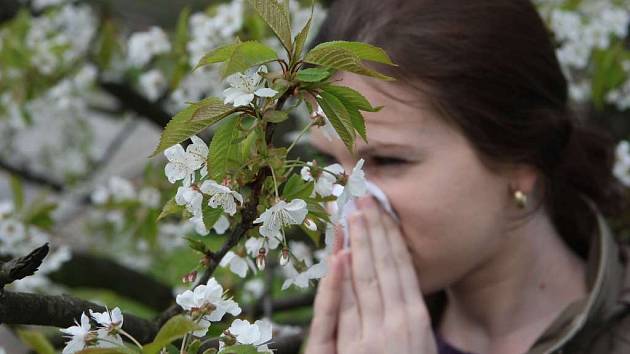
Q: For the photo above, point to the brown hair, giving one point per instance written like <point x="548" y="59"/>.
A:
<point x="490" y="68"/>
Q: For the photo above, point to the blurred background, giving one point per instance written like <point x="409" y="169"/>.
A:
<point x="86" y="88"/>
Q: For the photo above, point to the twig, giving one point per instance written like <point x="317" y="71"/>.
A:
<point x="22" y="267"/>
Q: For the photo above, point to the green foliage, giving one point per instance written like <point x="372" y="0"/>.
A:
<point x="608" y="72"/>
<point x="221" y="148"/>
<point x="339" y="117"/>
<point x="295" y="187"/>
<point x="273" y="116"/>
<point x="170" y="208"/>
<point x="353" y="101"/>
<point x="276" y="15"/>
<point x="363" y="51"/>
<point x="246" y="55"/>
<point x="181" y="127"/>
<point x="341" y="56"/>
<point x="173" y="329"/>
<point x="300" y="38"/>
<point x="36" y="341"/>
<point x="18" y="192"/>
<point x="313" y="75"/>
<point x="211" y="215"/>
<point x="239" y="349"/>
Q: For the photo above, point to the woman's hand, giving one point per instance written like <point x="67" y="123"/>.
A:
<point x="370" y="302"/>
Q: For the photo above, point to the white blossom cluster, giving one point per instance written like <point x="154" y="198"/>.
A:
<point x="621" y="169"/>
<point x="206" y="304"/>
<point x="105" y="335"/>
<point x="594" y="25"/>
<point x="18" y="239"/>
<point x="69" y="30"/>
<point x="57" y="114"/>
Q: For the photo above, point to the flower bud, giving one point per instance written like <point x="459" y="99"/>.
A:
<point x="190" y="277"/>
<point x="228" y="338"/>
<point x="284" y="257"/>
<point x="310" y="224"/>
<point x="260" y="258"/>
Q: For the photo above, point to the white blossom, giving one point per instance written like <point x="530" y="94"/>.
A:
<point x="281" y="214"/>
<point x="6" y="208"/>
<point x="327" y="129"/>
<point x="621" y="169"/>
<point x="256" y="334"/>
<point x="152" y="84"/>
<point x="301" y="280"/>
<point x="355" y="186"/>
<point x="244" y="86"/>
<point x="183" y="164"/>
<point x="80" y="336"/>
<point x="149" y="197"/>
<point x="110" y="324"/>
<point x="190" y="198"/>
<point x="237" y="264"/>
<point x="209" y="301"/>
<point x="221" y="196"/>
<point x="143" y="46"/>
<point x="324" y="186"/>
<point x="11" y="232"/>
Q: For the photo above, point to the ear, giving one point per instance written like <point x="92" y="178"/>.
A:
<point x="524" y="178"/>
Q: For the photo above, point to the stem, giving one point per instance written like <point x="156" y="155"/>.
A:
<point x="130" y="337"/>
<point x="181" y="350"/>
<point x="275" y="183"/>
<point x="308" y="126"/>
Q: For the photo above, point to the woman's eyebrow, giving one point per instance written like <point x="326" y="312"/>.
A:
<point x="391" y="147"/>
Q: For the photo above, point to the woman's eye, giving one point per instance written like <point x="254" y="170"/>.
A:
<point x="384" y="161"/>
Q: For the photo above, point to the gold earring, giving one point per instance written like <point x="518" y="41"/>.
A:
<point x="520" y="198"/>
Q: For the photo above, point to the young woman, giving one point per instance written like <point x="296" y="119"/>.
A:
<point x="501" y="246"/>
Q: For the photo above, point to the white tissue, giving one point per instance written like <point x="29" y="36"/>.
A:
<point x="351" y="206"/>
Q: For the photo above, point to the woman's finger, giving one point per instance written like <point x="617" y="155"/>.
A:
<point x="386" y="268"/>
<point x="365" y="280"/>
<point x="415" y="310"/>
<point x="326" y="308"/>
<point x="349" y="328"/>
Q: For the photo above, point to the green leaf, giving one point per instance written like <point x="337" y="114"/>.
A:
<point x="350" y="96"/>
<point x="18" y="192"/>
<point x="276" y="15"/>
<point x="295" y="187"/>
<point x="341" y="59"/>
<point x="353" y="101"/>
<point x="276" y="116"/>
<point x="211" y="215"/>
<point x="218" y="55"/>
<point x="172" y="330"/>
<point x="211" y="109"/>
<point x="170" y="208"/>
<point x="221" y="148"/>
<point x="36" y="341"/>
<point x="338" y="116"/>
<point x="196" y="245"/>
<point x="181" y="31"/>
<point x="181" y="127"/>
<point x="362" y="50"/>
<point x="193" y="347"/>
<point x="246" y="55"/>
<point x="39" y="214"/>
<point x="240" y="348"/>
<point x="300" y="38"/>
<point x="313" y="74"/>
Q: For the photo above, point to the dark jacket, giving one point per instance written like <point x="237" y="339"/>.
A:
<point x="597" y="324"/>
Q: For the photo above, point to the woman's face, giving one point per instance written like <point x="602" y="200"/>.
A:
<point x="453" y="210"/>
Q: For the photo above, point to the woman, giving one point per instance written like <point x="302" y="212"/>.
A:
<point x="501" y="247"/>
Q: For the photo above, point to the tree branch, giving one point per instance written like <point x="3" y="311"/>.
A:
<point x="22" y="267"/>
<point x="131" y="100"/>
<point x="30" y="176"/>
<point x="61" y="311"/>
<point x="84" y="270"/>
